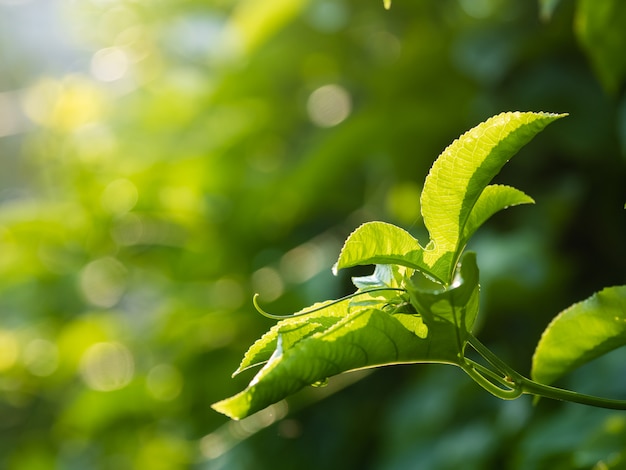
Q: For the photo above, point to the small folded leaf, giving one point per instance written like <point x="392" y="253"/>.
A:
<point x="385" y="275"/>
<point x="461" y="173"/>
<point x="458" y="304"/>
<point x="364" y="339"/>
<point x="381" y="243"/>
<point x="581" y="333"/>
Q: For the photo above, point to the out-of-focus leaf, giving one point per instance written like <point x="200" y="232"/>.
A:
<point x="581" y="333"/>
<point x="600" y="29"/>
<point x="461" y="173"/>
<point x="255" y="21"/>
<point x="366" y="338"/>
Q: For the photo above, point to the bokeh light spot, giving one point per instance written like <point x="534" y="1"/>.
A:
<point x="329" y="105"/>
<point x="103" y="282"/>
<point x="328" y="16"/>
<point x="107" y="366"/>
<point x="119" y="197"/>
<point x="403" y="202"/>
<point x="41" y="357"/>
<point x="164" y="382"/>
<point x="109" y="64"/>
<point x="63" y="105"/>
<point x="9" y="350"/>
<point x="268" y="283"/>
<point x="302" y="263"/>
<point x="227" y="293"/>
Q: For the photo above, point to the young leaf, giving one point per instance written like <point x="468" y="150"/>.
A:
<point x="366" y="338"/>
<point x="461" y="173"/>
<point x="458" y="304"/>
<point x="385" y="275"/>
<point x="381" y="243"/>
<point x="581" y="333"/>
<point x="493" y="199"/>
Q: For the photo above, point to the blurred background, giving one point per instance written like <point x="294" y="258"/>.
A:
<point x="162" y="161"/>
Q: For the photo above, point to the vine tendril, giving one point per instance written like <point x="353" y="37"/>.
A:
<point x="258" y="308"/>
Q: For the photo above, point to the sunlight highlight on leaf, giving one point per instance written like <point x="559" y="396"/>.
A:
<point x="461" y="173"/>
<point x="381" y="243"/>
<point x="366" y="338"/>
<point x="581" y="333"/>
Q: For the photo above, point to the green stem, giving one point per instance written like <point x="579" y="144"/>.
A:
<point x="526" y="385"/>
<point x="486" y="378"/>
<point x="534" y="388"/>
<point x="322" y="307"/>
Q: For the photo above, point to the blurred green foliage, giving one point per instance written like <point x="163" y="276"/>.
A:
<point x="189" y="154"/>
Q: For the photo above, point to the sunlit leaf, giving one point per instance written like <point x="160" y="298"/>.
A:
<point x="293" y="330"/>
<point x="366" y="338"/>
<point x="493" y="199"/>
<point x="390" y="276"/>
<point x="461" y="173"/>
<point x="381" y="243"/>
<point x="582" y="332"/>
<point x="385" y="275"/>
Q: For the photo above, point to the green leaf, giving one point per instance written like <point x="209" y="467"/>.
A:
<point x="385" y="275"/>
<point x="581" y="333"/>
<point x="493" y="199"/>
<point x="381" y="243"/>
<point x="458" y="304"/>
<point x="600" y="29"/>
<point x="293" y="330"/>
<point x="363" y="339"/>
<point x="459" y="176"/>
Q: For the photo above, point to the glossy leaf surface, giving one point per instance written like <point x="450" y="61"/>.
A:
<point x="461" y="173"/>
<point x="292" y="330"/>
<point x="381" y="243"/>
<point x="581" y="333"/>
<point x="365" y="338"/>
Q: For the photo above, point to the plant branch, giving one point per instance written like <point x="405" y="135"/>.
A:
<point x="526" y="385"/>
<point x="487" y="378"/>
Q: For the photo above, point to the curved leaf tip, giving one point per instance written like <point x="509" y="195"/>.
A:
<point x="462" y="172"/>
<point x="381" y="243"/>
